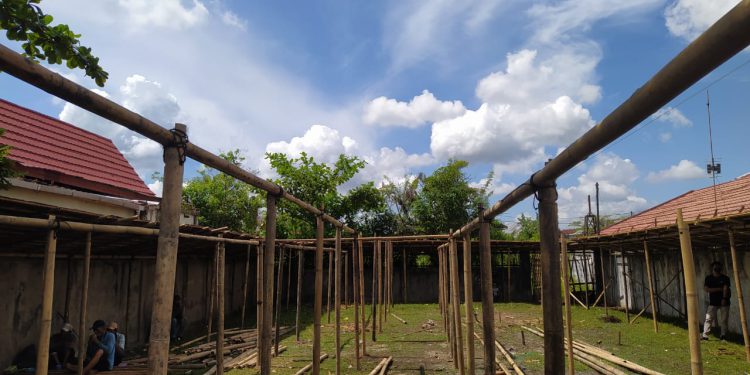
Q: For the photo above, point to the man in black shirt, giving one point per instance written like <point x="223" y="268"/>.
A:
<point x="717" y="287"/>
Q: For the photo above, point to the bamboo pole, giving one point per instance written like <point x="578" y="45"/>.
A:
<point x="318" y="294"/>
<point x="457" y="306"/>
<point x="566" y="300"/>
<point x="740" y="298"/>
<point x="605" y="284"/>
<point x="451" y="304"/>
<point x="244" y="288"/>
<point x="288" y="279"/>
<point x="386" y="280"/>
<point x="361" y="262"/>
<point x="380" y="287"/>
<point x="300" y="264"/>
<point x="314" y="362"/>
<point x="488" y="313"/>
<point x="651" y="288"/>
<point x="212" y="293"/>
<point x="337" y="299"/>
<point x="170" y="209"/>
<point x="403" y="278"/>
<point x="625" y="285"/>
<point x="84" y="301"/>
<point x="259" y="292"/>
<point x="355" y="295"/>
<point x="374" y="294"/>
<point x="549" y="236"/>
<point x="469" y="303"/>
<point x="220" y="260"/>
<point x="265" y="334"/>
<point x="329" y="284"/>
<point x="691" y="292"/>
<point x="346" y="280"/>
<point x="279" y="280"/>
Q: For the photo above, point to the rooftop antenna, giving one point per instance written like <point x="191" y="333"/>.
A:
<point x="713" y="168"/>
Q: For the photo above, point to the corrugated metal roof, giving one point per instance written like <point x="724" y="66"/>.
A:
<point x="51" y="149"/>
<point x="732" y="198"/>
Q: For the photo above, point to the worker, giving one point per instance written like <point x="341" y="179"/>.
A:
<point x="100" y="352"/>
<point x="717" y="287"/>
<point x="178" y="322"/>
<point x="62" y="346"/>
<point x="119" y="342"/>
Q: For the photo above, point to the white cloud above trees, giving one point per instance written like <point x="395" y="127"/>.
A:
<point x="420" y="110"/>
<point x="687" y="19"/>
<point x="684" y="170"/>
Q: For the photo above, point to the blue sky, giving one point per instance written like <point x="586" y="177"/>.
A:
<point x="406" y="85"/>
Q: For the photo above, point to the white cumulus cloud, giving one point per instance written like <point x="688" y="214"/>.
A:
<point x="420" y="110"/>
<point x="687" y="19"/>
<point x="672" y="116"/>
<point x="684" y="170"/>
<point x="171" y="14"/>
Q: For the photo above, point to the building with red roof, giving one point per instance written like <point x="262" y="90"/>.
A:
<point x="57" y="153"/>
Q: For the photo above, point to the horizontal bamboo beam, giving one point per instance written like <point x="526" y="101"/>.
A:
<point x="31" y="222"/>
<point x="37" y="75"/>
<point x="724" y="39"/>
<point x="305" y="248"/>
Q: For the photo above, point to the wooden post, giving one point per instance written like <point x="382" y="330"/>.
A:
<point x="403" y="278"/>
<point x="380" y="287"/>
<point x="355" y="294"/>
<point x="288" y="279"/>
<point x="566" y="300"/>
<point x="457" y="306"/>
<point x="691" y="292"/>
<point x="346" y="279"/>
<point x="84" y="302"/>
<point x="259" y="292"/>
<point x="319" y="228"/>
<point x="374" y="294"/>
<point x="361" y="262"/>
<point x="264" y="349"/>
<point x="337" y="298"/>
<point x="469" y="303"/>
<point x="604" y="281"/>
<point x="625" y="286"/>
<point x="329" y="283"/>
<point x="740" y="298"/>
<point x="549" y="237"/>
<point x="279" y="280"/>
<point x="244" y="287"/>
<point x="300" y="264"/>
<point x="488" y="309"/>
<point x="221" y="262"/>
<point x="170" y="210"/>
<point x="212" y="293"/>
<point x="651" y="288"/>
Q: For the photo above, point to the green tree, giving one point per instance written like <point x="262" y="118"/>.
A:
<point x="6" y="165"/>
<point x="221" y="200"/>
<point x="527" y="229"/>
<point x="24" y="21"/>
<point x="401" y="196"/>
<point x="446" y="201"/>
<point x="315" y="183"/>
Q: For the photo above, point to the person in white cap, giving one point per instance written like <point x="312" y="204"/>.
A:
<point x="119" y="342"/>
<point x="62" y="346"/>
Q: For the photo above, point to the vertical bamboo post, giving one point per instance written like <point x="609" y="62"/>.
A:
<point x="244" y="287"/>
<point x="329" y="284"/>
<point x="300" y="265"/>
<point x="441" y="303"/>
<point x="566" y="300"/>
<point x="374" y="294"/>
<point x="264" y="349"/>
<point x="288" y="278"/>
<point x="549" y="237"/>
<point x="319" y="228"/>
<point x="469" y="303"/>
<point x="386" y="281"/>
<point x="740" y="298"/>
<point x="166" y="254"/>
<point x="488" y="309"/>
<point x="604" y="281"/>
<point x="457" y="305"/>
<point x="279" y="280"/>
<point x="507" y="273"/>
<point x="221" y="262"/>
<point x="346" y="280"/>
<point x="361" y="262"/>
<point x="380" y="287"/>
<point x="337" y="298"/>
<point x="625" y="286"/>
<point x="259" y="292"/>
<point x="84" y="301"/>
<point x="651" y="287"/>
<point x="355" y="294"/>
<point x="403" y="278"/>
<point x="691" y="292"/>
<point x="212" y="293"/>
<point x="452" y="321"/>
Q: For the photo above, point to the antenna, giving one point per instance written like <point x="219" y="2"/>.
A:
<point x="713" y="168"/>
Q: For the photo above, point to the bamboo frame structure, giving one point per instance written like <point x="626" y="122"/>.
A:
<point x="84" y="300"/>
<point x="355" y="295"/>
<point x="691" y="294"/>
<point x="469" y="304"/>
<point x="264" y="349"/>
<point x="361" y="262"/>
<point x="740" y="298"/>
<point x="279" y="280"/>
<point x="245" y="283"/>
<point x="337" y="299"/>
<point x="319" y="228"/>
<point x="212" y="293"/>
<point x="488" y="309"/>
<point x="568" y="315"/>
<point x="328" y="286"/>
<point x="300" y="270"/>
<point x="549" y="236"/>
<point x="456" y="299"/>
<point x="220" y="276"/>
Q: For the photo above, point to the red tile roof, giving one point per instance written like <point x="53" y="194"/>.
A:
<point x="733" y="198"/>
<point x="52" y="150"/>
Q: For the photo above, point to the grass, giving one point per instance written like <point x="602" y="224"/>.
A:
<point x="414" y="347"/>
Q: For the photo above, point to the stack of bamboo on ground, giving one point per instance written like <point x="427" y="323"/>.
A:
<point x="599" y="359"/>
<point x="239" y="345"/>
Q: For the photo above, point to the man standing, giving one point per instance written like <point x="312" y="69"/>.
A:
<point x="717" y="287"/>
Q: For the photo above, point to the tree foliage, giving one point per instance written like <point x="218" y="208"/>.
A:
<point x="221" y="200"/>
<point x="6" y="165"/>
<point x="24" y="21"/>
<point x="527" y="229"/>
<point x="446" y="201"/>
<point x="401" y="196"/>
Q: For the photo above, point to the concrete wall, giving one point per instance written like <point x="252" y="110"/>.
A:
<point x="665" y="266"/>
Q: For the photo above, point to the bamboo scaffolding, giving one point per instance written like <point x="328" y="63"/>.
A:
<point x="488" y="313"/>
<point x="355" y="295"/>
<point x="279" y="279"/>
<point x="549" y="237"/>
<point x="220" y="260"/>
<point x="288" y="279"/>
<point x="360" y="260"/>
<point x="566" y="300"/>
<point x="337" y="299"/>
<point x="469" y="304"/>
<point x="649" y="274"/>
<point x="318" y="295"/>
<point x="264" y="348"/>
<point x="244" y="287"/>
<point x="300" y="265"/>
<point x="691" y="293"/>
<point x="374" y="293"/>
<point x="456" y="302"/>
<point x="329" y="284"/>
<point x="84" y="300"/>
<point x="740" y="298"/>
